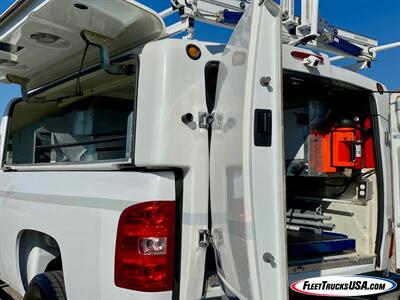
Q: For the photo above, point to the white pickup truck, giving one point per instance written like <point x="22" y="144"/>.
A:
<point x="137" y="167"/>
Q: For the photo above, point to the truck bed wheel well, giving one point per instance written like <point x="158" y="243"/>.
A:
<point x="54" y="265"/>
<point x="38" y="253"/>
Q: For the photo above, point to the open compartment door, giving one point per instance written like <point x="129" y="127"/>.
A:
<point x="246" y="160"/>
<point x="42" y="40"/>
<point x="395" y="153"/>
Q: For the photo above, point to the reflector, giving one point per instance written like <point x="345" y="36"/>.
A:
<point x="193" y="51"/>
<point x="302" y="55"/>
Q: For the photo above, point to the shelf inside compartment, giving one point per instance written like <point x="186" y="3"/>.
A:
<point x="303" y="244"/>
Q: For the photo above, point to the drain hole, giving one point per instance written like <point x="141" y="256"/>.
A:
<point x="80" y="6"/>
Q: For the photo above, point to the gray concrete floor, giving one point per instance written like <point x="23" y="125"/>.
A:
<point x="7" y="293"/>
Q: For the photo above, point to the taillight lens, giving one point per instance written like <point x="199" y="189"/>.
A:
<point x="391" y="251"/>
<point x="144" y="255"/>
<point x="302" y="55"/>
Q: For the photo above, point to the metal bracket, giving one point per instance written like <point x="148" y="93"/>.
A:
<point x="387" y="138"/>
<point x="103" y="43"/>
<point x="205" y="238"/>
<point x="23" y="83"/>
<point x="206" y="120"/>
<point x="214" y="281"/>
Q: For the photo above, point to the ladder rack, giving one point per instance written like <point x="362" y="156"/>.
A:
<point x="307" y="30"/>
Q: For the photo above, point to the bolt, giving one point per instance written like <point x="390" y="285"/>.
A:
<point x="265" y="80"/>
<point x="187" y="118"/>
<point x="270" y="259"/>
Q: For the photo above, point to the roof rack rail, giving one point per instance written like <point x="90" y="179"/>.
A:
<point x="307" y="30"/>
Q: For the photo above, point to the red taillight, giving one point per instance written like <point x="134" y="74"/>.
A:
<point x="144" y="254"/>
<point x="302" y="56"/>
<point x="391" y="251"/>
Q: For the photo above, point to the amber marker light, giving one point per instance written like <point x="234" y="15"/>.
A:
<point x="193" y="51"/>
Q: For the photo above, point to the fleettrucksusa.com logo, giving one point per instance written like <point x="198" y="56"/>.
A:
<point x="339" y="286"/>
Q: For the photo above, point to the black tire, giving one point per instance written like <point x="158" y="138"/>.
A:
<point x="47" y="286"/>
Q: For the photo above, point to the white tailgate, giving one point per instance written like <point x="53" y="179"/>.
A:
<point x="247" y="179"/>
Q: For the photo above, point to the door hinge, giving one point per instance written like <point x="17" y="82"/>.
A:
<point x="206" y="119"/>
<point x="205" y="238"/>
<point x="391" y="226"/>
<point x="211" y="120"/>
<point x="387" y="138"/>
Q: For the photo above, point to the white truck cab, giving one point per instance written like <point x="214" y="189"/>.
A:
<point x="139" y="167"/>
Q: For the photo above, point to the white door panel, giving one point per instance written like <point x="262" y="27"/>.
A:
<point x="3" y="131"/>
<point x="395" y="153"/>
<point x="247" y="179"/>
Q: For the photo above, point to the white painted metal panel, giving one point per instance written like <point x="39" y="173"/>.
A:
<point x="395" y="149"/>
<point x="172" y="85"/>
<point x="247" y="181"/>
<point x="128" y="23"/>
<point x="80" y="210"/>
